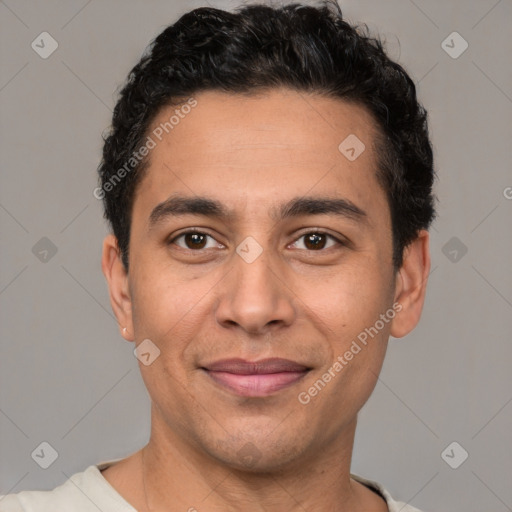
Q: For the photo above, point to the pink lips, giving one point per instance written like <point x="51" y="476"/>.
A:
<point x="256" y="379"/>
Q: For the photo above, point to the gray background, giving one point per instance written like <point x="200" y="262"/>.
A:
<point x="68" y="378"/>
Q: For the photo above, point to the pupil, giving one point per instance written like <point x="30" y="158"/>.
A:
<point x="316" y="240"/>
<point x="197" y="240"/>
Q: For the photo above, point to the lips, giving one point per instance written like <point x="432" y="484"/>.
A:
<point x="255" y="378"/>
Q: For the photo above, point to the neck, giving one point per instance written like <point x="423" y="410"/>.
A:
<point x="177" y="476"/>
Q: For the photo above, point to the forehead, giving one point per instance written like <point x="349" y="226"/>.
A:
<point x="290" y="123"/>
<point x="259" y="148"/>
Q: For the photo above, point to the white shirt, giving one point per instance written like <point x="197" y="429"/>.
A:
<point x="89" y="491"/>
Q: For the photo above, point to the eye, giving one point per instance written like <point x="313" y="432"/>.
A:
<point x="317" y="241"/>
<point x="198" y="240"/>
<point x="195" y="240"/>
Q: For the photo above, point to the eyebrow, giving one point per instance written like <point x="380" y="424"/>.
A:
<point x="176" y="206"/>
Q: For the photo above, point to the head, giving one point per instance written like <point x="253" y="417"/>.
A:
<point x="299" y="154"/>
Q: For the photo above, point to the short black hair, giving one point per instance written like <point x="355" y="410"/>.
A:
<point x="259" y="47"/>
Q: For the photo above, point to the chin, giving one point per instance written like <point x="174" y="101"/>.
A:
<point x="257" y="454"/>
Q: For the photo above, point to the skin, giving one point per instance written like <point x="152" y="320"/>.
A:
<point x="293" y="301"/>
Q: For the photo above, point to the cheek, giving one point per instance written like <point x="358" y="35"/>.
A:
<point x="350" y="300"/>
<point x="170" y="311"/>
<point x="161" y="301"/>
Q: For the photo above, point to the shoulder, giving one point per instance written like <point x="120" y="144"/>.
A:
<point x="393" y="506"/>
<point x="87" y="491"/>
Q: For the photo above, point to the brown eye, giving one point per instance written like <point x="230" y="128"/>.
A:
<point x="194" y="240"/>
<point x="315" y="240"/>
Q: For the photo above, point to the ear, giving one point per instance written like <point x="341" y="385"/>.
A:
<point x="118" y="286"/>
<point x="411" y="285"/>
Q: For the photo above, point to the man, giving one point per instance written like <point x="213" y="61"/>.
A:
<point x="268" y="180"/>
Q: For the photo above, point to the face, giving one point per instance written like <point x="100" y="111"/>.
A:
<point x="259" y="256"/>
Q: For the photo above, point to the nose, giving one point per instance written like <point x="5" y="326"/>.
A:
<point x="255" y="297"/>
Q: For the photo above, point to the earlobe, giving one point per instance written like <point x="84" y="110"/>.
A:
<point x="411" y="285"/>
<point x="118" y="285"/>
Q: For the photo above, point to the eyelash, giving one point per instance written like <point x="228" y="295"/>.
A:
<point x="316" y="232"/>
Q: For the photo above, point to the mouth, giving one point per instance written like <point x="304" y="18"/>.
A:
<point x="255" y="378"/>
